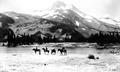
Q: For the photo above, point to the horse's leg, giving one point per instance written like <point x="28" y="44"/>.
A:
<point x="54" y="53"/>
<point x="39" y="52"/>
<point x="35" y="51"/>
<point x="44" y="51"/>
<point x="51" y="51"/>
<point x="65" y="53"/>
<point x="61" y="53"/>
<point x="47" y="52"/>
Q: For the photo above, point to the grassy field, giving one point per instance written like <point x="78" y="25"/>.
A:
<point x="24" y="60"/>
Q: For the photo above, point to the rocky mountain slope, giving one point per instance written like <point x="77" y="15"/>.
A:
<point x="5" y="23"/>
<point x="70" y="14"/>
<point x="61" y="20"/>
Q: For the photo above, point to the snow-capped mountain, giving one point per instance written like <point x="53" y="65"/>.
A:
<point x="60" y="20"/>
<point x="69" y="14"/>
<point x="37" y="26"/>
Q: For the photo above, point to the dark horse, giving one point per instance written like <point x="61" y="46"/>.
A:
<point x="37" y="50"/>
<point x="53" y="51"/>
<point x="63" y="51"/>
<point x="46" y="51"/>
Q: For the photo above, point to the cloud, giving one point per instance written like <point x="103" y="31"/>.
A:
<point x="113" y="8"/>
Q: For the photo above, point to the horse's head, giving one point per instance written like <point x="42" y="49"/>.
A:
<point x="43" y="48"/>
<point x="59" y="49"/>
<point x="63" y="48"/>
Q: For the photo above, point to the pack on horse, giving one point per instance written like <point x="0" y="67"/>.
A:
<point x="46" y="51"/>
<point x="37" y="50"/>
<point x="53" y="51"/>
<point x="63" y="51"/>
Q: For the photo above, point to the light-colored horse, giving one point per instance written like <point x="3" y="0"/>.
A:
<point x="63" y="51"/>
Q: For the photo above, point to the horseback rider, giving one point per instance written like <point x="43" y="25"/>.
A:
<point x="46" y="51"/>
<point x="63" y="51"/>
<point x="36" y="47"/>
<point x="46" y="48"/>
<point x="53" y="51"/>
<point x="37" y="50"/>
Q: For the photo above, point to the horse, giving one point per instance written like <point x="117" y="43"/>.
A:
<point x="53" y="51"/>
<point x="37" y="50"/>
<point x="45" y="50"/>
<point x="63" y="51"/>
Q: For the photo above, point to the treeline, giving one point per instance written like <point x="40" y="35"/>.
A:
<point x="105" y="37"/>
<point x="28" y="39"/>
<point x="101" y="38"/>
<point x="31" y="39"/>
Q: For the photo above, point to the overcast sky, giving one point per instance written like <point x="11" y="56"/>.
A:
<point x="97" y="8"/>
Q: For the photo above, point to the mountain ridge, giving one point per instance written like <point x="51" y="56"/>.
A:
<point x="60" y="20"/>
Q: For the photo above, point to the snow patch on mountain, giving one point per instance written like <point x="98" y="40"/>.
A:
<point x="83" y="28"/>
<point x="69" y="14"/>
<point x="77" y="23"/>
<point x="111" y="21"/>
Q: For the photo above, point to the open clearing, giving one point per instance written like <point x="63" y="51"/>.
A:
<point x="23" y="59"/>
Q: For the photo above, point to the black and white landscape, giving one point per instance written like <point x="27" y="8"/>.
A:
<point x="61" y="38"/>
